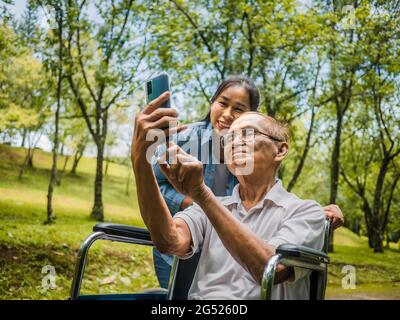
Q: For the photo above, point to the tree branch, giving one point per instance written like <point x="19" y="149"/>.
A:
<point x="201" y="34"/>
<point x="81" y="104"/>
<point x="78" y="40"/>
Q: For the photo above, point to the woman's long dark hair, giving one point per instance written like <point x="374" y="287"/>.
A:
<point x="237" y="80"/>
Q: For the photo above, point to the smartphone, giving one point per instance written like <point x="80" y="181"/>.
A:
<point x="156" y="86"/>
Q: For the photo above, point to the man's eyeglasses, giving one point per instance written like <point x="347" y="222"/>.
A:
<point x="245" y="135"/>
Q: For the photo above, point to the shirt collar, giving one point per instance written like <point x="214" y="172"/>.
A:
<point x="277" y="194"/>
<point x="206" y="133"/>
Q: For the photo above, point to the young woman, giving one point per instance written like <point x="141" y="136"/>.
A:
<point x="234" y="96"/>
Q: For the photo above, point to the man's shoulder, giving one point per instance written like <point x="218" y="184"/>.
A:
<point x="225" y="200"/>
<point x="297" y="201"/>
<point x="303" y="206"/>
<point x="190" y="210"/>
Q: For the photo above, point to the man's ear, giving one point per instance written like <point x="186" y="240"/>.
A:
<point x="283" y="150"/>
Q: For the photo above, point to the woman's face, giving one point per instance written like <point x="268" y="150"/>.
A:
<point x="229" y="105"/>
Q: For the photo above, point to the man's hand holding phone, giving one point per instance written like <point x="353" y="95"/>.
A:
<point x="153" y="117"/>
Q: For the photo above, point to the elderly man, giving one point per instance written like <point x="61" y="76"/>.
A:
<point x="236" y="234"/>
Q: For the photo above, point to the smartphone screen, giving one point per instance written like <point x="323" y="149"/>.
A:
<point x="156" y="87"/>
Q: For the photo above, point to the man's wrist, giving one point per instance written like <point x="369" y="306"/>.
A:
<point x="139" y="163"/>
<point x="200" y="193"/>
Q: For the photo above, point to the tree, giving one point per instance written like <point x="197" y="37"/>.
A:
<point x="372" y="172"/>
<point x="55" y="35"/>
<point x="103" y="59"/>
<point x="343" y="42"/>
<point x="203" y="42"/>
<point x="79" y="140"/>
<point x="24" y="102"/>
<point x="110" y="142"/>
<point x="197" y="43"/>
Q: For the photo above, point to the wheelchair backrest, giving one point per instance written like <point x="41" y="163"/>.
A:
<point x="181" y="278"/>
<point x="318" y="279"/>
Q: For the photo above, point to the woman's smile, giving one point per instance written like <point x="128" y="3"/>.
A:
<point x="222" y="125"/>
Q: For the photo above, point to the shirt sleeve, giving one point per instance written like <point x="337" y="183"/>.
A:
<point x="304" y="227"/>
<point x="196" y="220"/>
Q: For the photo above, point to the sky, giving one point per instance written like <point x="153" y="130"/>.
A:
<point x="18" y="8"/>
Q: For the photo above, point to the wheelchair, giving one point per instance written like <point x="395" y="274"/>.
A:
<point x="183" y="271"/>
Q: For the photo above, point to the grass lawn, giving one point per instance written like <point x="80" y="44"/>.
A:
<point x="26" y="245"/>
<point x="377" y="274"/>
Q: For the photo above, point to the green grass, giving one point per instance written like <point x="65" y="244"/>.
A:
<point x="377" y="274"/>
<point x="27" y="245"/>
<point x="78" y="187"/>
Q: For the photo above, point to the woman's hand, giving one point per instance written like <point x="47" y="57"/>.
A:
<point x="335" y="215"/>
<point x="184" y="172"/>
<point x="186" y="202"/>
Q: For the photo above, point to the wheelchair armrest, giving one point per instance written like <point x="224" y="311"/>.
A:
<point x="302" y="253"/>
<point x="106" y="231"/>
<point x="123" y="231"/>
<point x="293" y="256"/>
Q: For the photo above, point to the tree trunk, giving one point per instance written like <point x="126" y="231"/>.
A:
<point x="370" y="237"/>
<point x="335" y="161"/>
<point x="106" y="168"/>
<point x="304" y="155"/>
<point x="356" y="227"/>
<point x="22" y="169"/>
<point x="62" y="173"/>
<point x="367" y="216"/>
<point x="335" y="170"/>
<point x="378" y="245"/>
<point x="28" y="159"/>
<point x="101" y="133"/>
<point x="281" y="171"/>
<point x="370" y="234"/>
<point x="23" y="138"/>
<point x="376" y="223"/>
<point x="77" y="157"/>
<point x="53" y="175"/>
<point x="377" y="237"/>
<point x="387" y="240"/>
<point x="98" y="210"/>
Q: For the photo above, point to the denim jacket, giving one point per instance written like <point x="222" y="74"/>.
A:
<point x="196" y="139"/>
